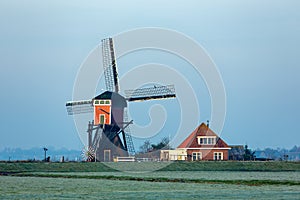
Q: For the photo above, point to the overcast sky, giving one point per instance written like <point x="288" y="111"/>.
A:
<point x="254" y="44"/>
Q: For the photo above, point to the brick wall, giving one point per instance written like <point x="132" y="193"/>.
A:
<point x="207" y="154"/>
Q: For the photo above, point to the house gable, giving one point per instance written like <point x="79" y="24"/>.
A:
<point x="202" y="131"/>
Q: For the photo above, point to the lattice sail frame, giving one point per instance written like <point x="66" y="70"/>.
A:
<point x="127" y="131"/>
<point x="110" y="65"/>
<point x="79" y="107"/>
<point x="149" y="93"/>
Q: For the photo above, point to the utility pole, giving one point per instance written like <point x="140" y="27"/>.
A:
<point x="45" y="150"/>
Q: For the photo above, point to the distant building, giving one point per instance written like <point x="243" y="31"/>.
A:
<point x="201" y="144"/>
<point x="176" y="154"/>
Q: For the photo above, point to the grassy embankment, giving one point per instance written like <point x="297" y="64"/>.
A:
<point x="16" y="167"/>
<point x="50" y="170"/>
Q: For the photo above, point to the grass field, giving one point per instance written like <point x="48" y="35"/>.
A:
<point x="61" y="188"/>
<point x="205" y="180"/>
<point x="149" y="166"/>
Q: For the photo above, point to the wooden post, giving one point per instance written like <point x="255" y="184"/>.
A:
<point x="90" y="131"/>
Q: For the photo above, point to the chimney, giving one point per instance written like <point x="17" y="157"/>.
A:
<point x="207" y="123"/>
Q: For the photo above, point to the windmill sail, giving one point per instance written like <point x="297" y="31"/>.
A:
<point x="150" y="93"/>
<point x="78" y="107"/>
<point x="110" y="65"/>
<point x="128" y="138"/>
<point x="97" y="138"/>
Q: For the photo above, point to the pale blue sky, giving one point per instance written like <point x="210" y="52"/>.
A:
<point x="255" y="45"/>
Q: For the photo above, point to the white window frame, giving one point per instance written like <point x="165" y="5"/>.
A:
<point x="219" y="155"/>
<point x="198" y="156"/>
<point x="205" y="139"/>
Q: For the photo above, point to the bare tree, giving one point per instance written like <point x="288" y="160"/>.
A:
<point x="146" y="147"/>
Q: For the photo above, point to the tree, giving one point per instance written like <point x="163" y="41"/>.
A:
<point x="163" y="144"/>
<point x="248" y="155"/>
<point x="146" y="147"/>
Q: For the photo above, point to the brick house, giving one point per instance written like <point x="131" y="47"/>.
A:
<point x="201" y="144"/>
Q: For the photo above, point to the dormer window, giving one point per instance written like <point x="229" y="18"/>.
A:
<point x="206" y="140"/>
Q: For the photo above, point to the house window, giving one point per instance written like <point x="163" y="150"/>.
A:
<point x="207" y="140"/>
<point x="96" y="102"/>
<point x="196" y="156"/>
<point x="102" y="102"/>
<point x="107" y="102"/>
<point x="218" y="155"/>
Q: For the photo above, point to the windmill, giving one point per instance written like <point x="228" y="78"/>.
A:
<point x="108" y="132"/>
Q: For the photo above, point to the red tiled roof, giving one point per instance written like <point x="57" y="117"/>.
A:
<point x="202" y="130"/>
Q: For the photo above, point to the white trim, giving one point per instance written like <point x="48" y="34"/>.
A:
<point x="125" y="159"/>
<point x="109" y="115"/>
<point x="94" y="113"/>
<point x="104" y="102"/>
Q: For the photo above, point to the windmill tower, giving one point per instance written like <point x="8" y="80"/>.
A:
<point x="108" y="133"/>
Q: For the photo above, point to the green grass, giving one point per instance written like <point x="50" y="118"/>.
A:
<point x="161" y="179"/>
<point x="234" y="166"/>
<point x="53" y="167"/>
<point x="150" y="180"/>
<point x="82" y="188"/>
<point x="183" y="172"/>
<point x="150" y="166"/>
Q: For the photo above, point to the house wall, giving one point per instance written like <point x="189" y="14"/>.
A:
<point x="207" y="154"/>
<point x="172" y="155"/>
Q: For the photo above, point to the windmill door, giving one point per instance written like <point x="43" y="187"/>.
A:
<point x="102" y="119"/>
<point x="106" y="156"/>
